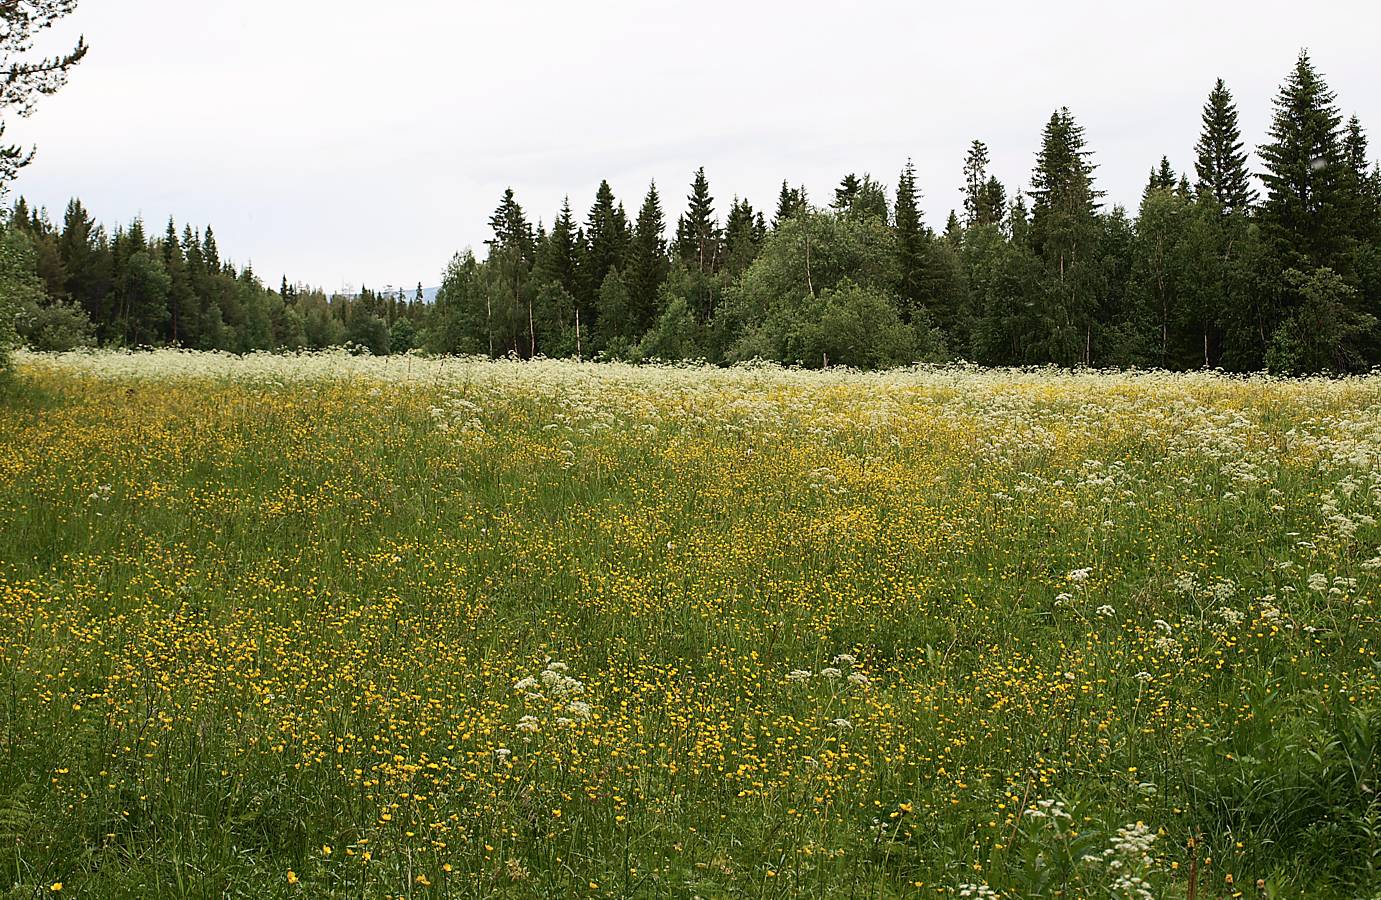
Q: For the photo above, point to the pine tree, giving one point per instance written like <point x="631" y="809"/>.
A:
<point x="210" y="255"/>
<point x="27" y="78"/>
<point x="1360" y="199"/>
<point x="742" y="239"/>
<point x="1064" y="234"/>
<point x="912" y="241"/>
<point x="559" y="259"/>
<point x="1304" y="169"/>
<point x="511" y="252"/>
<point x="605" y="240"/>
<point x="847" y="192"/>
<point x="698" y="238"/>
<point x="1162" y="178"/>
<point x="647" y="262"/>
<point x="1221" y="163"/>
<point x="182" y="301"/>
<point x="791" y="201"/>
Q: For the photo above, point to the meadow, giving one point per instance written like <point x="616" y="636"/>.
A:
<point x="329" y="625"/>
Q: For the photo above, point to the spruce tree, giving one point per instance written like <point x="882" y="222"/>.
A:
<point x="182" y="301"/>
<point x="1304" y="171"/>
<point x="847" y="192"/>
<point x="559" y="259"/>
<point x="1221" y="162"/>
<point x="209" y="253"/>
<point x="698" y="238"/>
<point x="741" y="238"/>
<point x="647" y="262"/>
<point x="1162" y="179"/>
<point x="1359" y="198"/>
<point x="790" y="201"/>
<point x="510" y="315"/>
<point x="26" y="78"/>
<point x="912" y="241"/>
<point x="605" y="240"/>
<point x="86" y="268"/>
<point x="1064" y="234"/>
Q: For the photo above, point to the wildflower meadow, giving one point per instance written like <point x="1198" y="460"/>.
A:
<point x="328" y="625"/>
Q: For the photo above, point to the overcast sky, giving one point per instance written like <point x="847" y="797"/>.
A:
<point x="350" y="142"/>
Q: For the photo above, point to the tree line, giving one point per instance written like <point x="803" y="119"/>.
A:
<point x="80" y="285"/>
<point x="1208" y="271"/>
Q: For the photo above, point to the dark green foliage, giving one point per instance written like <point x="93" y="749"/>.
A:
<point x="1326" y="332"/>
<point x="861" y="197"/>
<point x="698" y="238"/>
<point x="648" y="264"/>
<point x="743" y="236"/>
<point x="1304" y="175"/>
<point x="791" y="201"/>
<point x="913" y="244"/>
<point x="1221" y="163"/>
<point x="1064" y="236"/>
<point x="985" y="199"/>
<point x="1162" y="179"/>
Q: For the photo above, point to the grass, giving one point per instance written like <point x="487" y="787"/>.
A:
<point x="333" y="626"/>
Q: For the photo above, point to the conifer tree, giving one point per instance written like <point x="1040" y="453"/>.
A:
<point x="698" y="238"/>
<point x="604" y="242"/>
<point x="559" y="259"/>
<point x="1359" y="189"/>
<point x="1221" y="162"/>
<point x="790" y="201"/>
<point x="1162" y="178"/>
<point x="847" y="192"/>
<point x="182" y="307"/>
<point x="511" y="254"/>
<point x="210" y="255"/>
<point x="985" y="199"/>
<point x="742" y="238"/>
<point x="647" y="262"/>
<point x="85" y="266"/>
<point x="1304" y="169"/>
<point x="27" y="78"/>
<point x="1064" y="234"/>
<point x="912" y="244"/>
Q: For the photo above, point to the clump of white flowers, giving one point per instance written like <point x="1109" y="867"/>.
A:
<point x="978" y="892"/>
<point x="1051" y="809"/>
<point x="553" y="691"/>
<point x="1128" y="861"/>
<point x="456" y="414"/>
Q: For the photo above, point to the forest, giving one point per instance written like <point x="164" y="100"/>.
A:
<point x="1218" y="267"/>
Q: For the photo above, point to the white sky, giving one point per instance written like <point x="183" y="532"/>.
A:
<point x="344" y="141"/>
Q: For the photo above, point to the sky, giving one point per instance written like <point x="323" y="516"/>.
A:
<point x="349" y="142"/>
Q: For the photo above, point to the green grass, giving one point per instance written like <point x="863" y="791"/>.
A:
<point x="267" y="628"/>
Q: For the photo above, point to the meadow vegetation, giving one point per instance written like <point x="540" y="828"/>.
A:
<point x="347" y="626"/>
